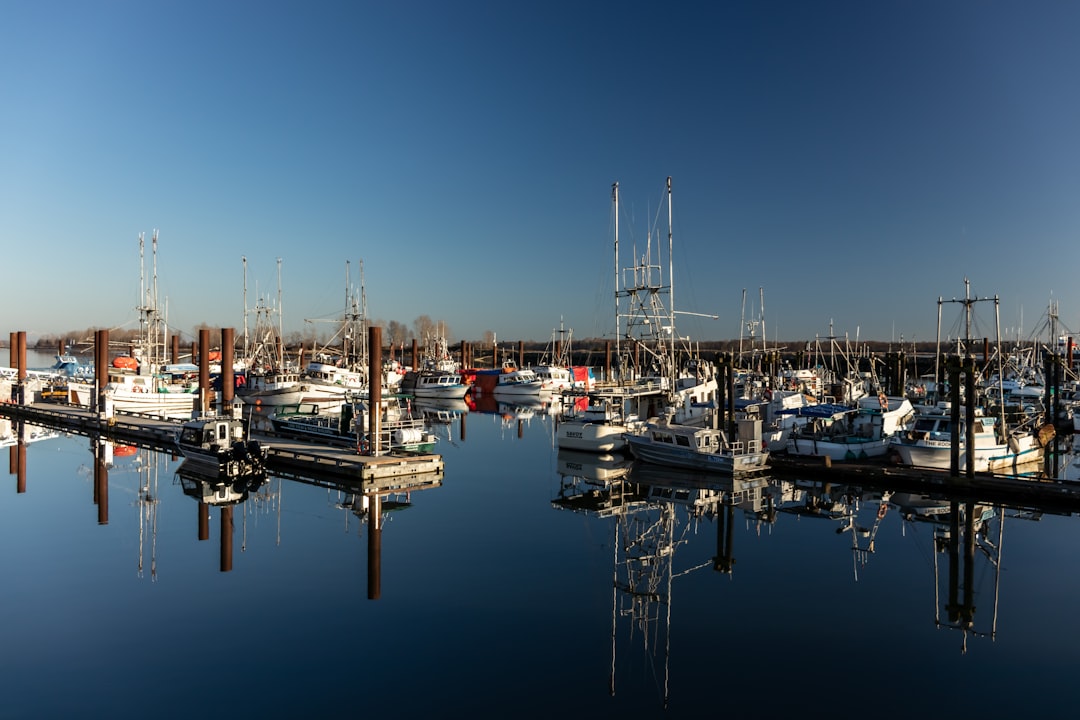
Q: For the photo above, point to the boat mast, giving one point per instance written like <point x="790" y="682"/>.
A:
<point x="618" y="322"/>
<point x="742" y="322"/>
<point x="247" y="351"/>
<point x="280" y="344"/>
<point x="671" y="291"/>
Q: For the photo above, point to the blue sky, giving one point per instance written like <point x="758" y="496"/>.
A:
<point x="853" y="160"/>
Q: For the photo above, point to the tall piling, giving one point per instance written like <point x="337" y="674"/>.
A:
<point x="228" y="378"/>
<point x="204" y="371"/>
<point x="20" y="365"/>
<point x="101" y="368"/>
<point x="375" y="390"/>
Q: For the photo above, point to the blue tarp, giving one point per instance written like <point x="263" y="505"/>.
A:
<point x="819" y="411"/>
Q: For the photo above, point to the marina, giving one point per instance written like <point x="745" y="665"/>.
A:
<point x="649" y="567"/>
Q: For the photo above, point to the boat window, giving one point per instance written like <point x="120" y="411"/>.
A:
<point x="682" y="440"/>
<point x="222" y="431"/>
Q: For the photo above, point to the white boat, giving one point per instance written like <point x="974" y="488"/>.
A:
<point x="598" y="423"/>
<point x="399" y="430"/>
<point x="521" y="381"/>
<point x="653" y="376"/>
<point x="138" y="383"/>
<point x="843" y="433"/>
<point x="554" y="369"/>
<point x="329" y="386"/>
<point x="701" y="448"/>
<point x="148" y="394"/>
<point x="438" y="384"/>
<point x="928" y="443"/>
<point x="219" y="446"/>
<point x="271" y="387"/>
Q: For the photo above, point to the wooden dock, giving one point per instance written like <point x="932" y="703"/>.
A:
<point x="284" y="455"/>
<point x="1018" y="490"/>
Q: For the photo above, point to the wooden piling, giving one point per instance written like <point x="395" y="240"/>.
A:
<point x="101" y="368"/>
<point x="374" y="389"/>
<point x="228" y="379"/>
<point x="204" y="370"/>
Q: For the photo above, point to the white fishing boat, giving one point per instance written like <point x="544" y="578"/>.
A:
<point x="928" y="443"/>
<point x="138" y="382"/>
<point x="521" y="381"/>
<point x="599" y="421"/>
<point x="654" y="377"/>
<point x="844" y="433"/>
<point x="399" y="429"/>
<point x="554" y="369"/>
<point x="701" y="448"/>
<point x="438" y="384"/>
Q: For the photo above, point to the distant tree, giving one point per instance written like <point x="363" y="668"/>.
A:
<point x="396" y="332"/>
<point x="489" y="337"/>
<point x="424" y="327"/>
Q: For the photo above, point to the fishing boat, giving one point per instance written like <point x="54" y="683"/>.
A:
<point x="399" y="430"/>
<point x="137" y="382"/>
<point x="518" y="381"/>
<point x="219" y="446"/>
<point x="554" y="370"/>
<point x="845" y="433"/>
<point x="701" y="448"/>
<point x="437" y="384"/>
<point x="654" y="376"/>
<point x="599" y="423"/>
<point x="928" y="443"/>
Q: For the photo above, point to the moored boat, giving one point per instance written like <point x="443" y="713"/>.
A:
<point x="701" y="448"/>
<point x="219" y="446"/>
<point x="928" y="443"/>
<point x="844" y="433"/>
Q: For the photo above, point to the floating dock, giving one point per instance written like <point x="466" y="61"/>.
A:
<point x="1020" y="489"/>
<point x="284" y="455"/>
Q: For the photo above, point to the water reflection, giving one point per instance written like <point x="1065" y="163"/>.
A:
<point x="653" y="512"/>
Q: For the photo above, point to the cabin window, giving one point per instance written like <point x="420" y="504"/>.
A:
<point x="682" y="440"/>
<point x="222" y="431"/>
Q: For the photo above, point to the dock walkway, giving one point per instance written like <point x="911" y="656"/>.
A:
<point x="286" y="455"/>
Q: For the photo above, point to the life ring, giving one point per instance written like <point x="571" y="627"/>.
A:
<point x="883" y="400"/>
<point x="138" y="388"/>
<point x="882" y="509"/>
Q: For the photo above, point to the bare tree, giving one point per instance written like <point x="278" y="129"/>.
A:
<point x="424" y="327"/>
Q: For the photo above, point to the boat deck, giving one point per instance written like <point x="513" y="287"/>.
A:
<point x="284" y="454"/>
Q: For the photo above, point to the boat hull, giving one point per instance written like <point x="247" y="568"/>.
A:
<point x="591" y="437"/>
<point x="672" y="456"/>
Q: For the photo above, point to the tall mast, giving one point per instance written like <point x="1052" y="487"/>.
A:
<point x="618" y="331"/>
<point x="761" y="304"/>
<point x="243" y="260"/>
<point x="671" y="287"/>
<point x="281" y="328"/>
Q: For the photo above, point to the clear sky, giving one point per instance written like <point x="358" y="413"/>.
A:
<point x="852" y="160"/>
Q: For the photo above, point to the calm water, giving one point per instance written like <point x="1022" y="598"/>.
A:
<point x="506" y="590"/>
